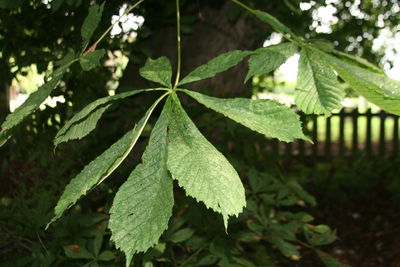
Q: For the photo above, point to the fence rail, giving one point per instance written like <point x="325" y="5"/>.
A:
<point x="375" y="134"/>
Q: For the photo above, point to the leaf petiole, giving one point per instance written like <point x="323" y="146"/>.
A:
<point x="178" y="37"/>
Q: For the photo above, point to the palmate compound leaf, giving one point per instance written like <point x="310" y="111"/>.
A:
<point x="216" y="65"/>
<point x="267" y="59"/>
<point x="100" y="168"/>
<point x="85" y="121"/>
<point x="157" y="70"/>
<point x="91" y="22"/>
<point x="31" y="104"/>
<point x="317" y="91"/>
<point x="200" y="168"/>
<point x="375" y="87"/>
<point x="143" y="204"/>
<point x="267" y="117"/>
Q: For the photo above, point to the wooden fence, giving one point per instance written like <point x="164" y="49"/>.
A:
<point x="375" y="134"/>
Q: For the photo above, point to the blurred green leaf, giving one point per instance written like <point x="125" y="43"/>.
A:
<point x="92" y="59"/>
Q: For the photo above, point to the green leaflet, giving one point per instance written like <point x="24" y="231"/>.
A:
<point x="267" y="59"/>
<point x="100" y="168"/>
<point x="143" y="204"/>
<point x="90" y="23"/>
<point x="267" y="117"/>
<point x="274" y="22"/>
<point x="322" y="44"/>
<point x="91" y="60"/>
<point x="157" y="70"/>
<point x="376" y="88"/>
<point x="200" y="169"/>
<point x="216" y="65"/>
<point x="358" y="61"/>
<point x="78" y="253"/>
<point x="328" y="260"/>
<point x="85" y="121"/>
<point x="30" y="105"/>
<point x="318" y="90"/>
<point x="69" y="57"/>
<point x="286" y="248"/>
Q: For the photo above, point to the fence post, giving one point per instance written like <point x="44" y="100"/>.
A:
<point x="395" y="136"/>
<point x="341" y="132"/>
<point x="288" y="151"/>
<point x="382" y="144"/>
<point x="315" y="136"/>
<point x="355" y="131"/>
<point x="275" y="147"/>
<point x="328" y="141"/>
<point x="368" y="144"/>
<point x="301" y="142"/>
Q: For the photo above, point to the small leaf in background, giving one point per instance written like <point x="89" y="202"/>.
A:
<point x="286" y="248"/>
<point x="200" y="168"/>
<point x="274" y="22"/>
<point x="106" y="255"/>
<point x="216" y="65"/>
<point x="66" y="59"/>
<point x="30" y="105"/>
<point x="317" y="90"/>
<point x="181" y="235"/>
<point x="267" y="117"/>
<point x="90" y="23"/>
<point x="157" y="70"/>
<point x="295" y="187"/>
<point x="330" y="261"/>
<point x="375" y="87"/>
<point x="85" y="121"/>
<point x="100" y="168"/>
<point x="97" y="243"/>
<point x="267" y="59"/>
<point x="91" y="60"/>
<point x="77" y="252"/>
<point x="143" y="204"/>
<point x="319" y="235"/>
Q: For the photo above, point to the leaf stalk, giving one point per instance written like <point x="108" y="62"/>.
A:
<point x="178" y="36"/>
